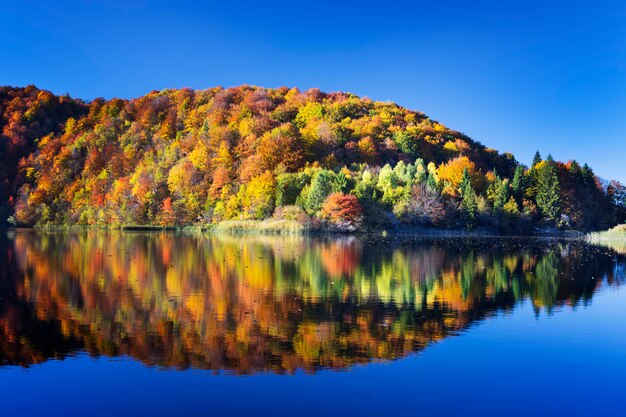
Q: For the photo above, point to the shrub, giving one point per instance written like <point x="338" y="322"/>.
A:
<point x="425" y="206"/>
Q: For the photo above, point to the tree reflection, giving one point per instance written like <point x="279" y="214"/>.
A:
<point x="247" y="304"/>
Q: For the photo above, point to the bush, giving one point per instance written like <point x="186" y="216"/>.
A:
<point x="425" y="206"/>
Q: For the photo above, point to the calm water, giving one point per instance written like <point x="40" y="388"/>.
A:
<point x="153" y="324"/>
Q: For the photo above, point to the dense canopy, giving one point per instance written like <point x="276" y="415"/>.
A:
<point x="185" y="157"/>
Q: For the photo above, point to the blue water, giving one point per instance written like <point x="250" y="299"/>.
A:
<point x="518" y="361"/>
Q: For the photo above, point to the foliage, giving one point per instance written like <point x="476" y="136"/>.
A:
<point x="425" y="206"/>
<point x="342" y="211"/>
<point x="548" y="198"/>
<point x="185" y="157"/>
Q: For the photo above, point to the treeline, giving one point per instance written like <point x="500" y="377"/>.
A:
<point x="184" y="157"/>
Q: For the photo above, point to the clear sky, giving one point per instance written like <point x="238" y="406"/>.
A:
<point x="517" y="76"/>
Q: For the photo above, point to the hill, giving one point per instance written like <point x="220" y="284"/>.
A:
<point x="182" y="157"/>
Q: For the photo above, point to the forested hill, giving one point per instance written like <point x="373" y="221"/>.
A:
<point x="182" y="157"/>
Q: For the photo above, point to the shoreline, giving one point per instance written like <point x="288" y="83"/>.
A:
<point x="261" y="228"/>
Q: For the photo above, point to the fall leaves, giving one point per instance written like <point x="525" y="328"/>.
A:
<point x="184" y="157"/>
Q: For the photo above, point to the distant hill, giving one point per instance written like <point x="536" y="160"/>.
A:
<point x="180" y="157"/>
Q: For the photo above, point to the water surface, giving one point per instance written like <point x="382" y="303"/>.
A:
<point x="162" y="323"/>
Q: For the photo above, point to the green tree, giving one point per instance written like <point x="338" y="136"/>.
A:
<point x="431" y="181"/>
<point x="340" y="183"/>
<point x="289" y="186"/>
<point x="501" y="195"/>
<point x="406" y="143"/>
<point x="421" y="174"/>
<point x="321" y="187"/>
<point x="519" y="184"/>
<point x="536" y="159"/>
<point x="469" y="202"/>
<point x="548" y="198"/>
<point x="389" y="185"/>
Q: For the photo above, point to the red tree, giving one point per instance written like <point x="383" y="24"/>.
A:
<point x="343" y="211"/>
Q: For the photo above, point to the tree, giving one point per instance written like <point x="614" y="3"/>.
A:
<point x="536" y="159"/>
<point x="617" y="192"/>
<point x="470" y="207"/>
<point x="321" y="187"/>
<point x="406" y="143"/>
<point x="421" y="174"/>
<point x="454" y="170"/>
<point x="281" y="146"/>
<point x="519" y="184"/>
<point x="340" y="184"/>
<point x="424" y="206"/>
<point x="511" y="207"/>
<point x="469" y="203"/>
<point x="343" y="211"/>
<point x="501" y="195"/>
<point x="548" y="198"/>
<point x="431" y="181"/>
<point x="389" y="185"/>
<point x="167" y="217"/>
<point x="289" y="186"/>
<point x="258" y="200"/>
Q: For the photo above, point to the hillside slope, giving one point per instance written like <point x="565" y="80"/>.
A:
<point x="177" y="157"/>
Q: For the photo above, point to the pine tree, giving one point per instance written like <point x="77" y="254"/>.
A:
<point x="501" y="196"/>
<point x="321" y="187"/>
<point x="340" y="184"/>
<point x="465" y="182"/>
<point x="536" y="159"/>
<point x="548" y="198"/>
<point x="469" y="203"/>
<point x="431" y="182"/>
<point x="587" y="173"/>
<point x="519" y="184"/>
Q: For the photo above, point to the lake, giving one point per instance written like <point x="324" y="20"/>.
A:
<point x="156" y="323"/>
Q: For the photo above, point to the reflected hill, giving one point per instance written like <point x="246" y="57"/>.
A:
<point x="278" y="304"/>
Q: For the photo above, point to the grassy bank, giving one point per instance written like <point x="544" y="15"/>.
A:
<point x="614" y="238"/>
<point x="270" y="226"/>
<point x="617" y="233"/>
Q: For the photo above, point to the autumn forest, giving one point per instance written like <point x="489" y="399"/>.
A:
<point x="306" y="158"/>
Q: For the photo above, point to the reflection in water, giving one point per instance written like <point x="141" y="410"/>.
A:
<point x="246" y="304"/>
<point x="617" y="245"/>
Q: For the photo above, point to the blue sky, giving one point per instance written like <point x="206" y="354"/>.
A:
<point x="517" y="76"/>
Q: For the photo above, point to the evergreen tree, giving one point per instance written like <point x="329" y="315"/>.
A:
<point x="519" y="184"/>
<point x="501" y="196"/>
<point x="548" y="198"/>
<point x="321" y="187"/>
<point x="574" y="168"/>
<point x="431" y="182"/>
<point x="289" y="186"/>
<point x="469" y="202"/>
<point x="421" y="173"/>
<point x="465" y="183"/>
<point x="587" y="173"/>
<point x="536" y="159"/>
<point x="340" y="184"/>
